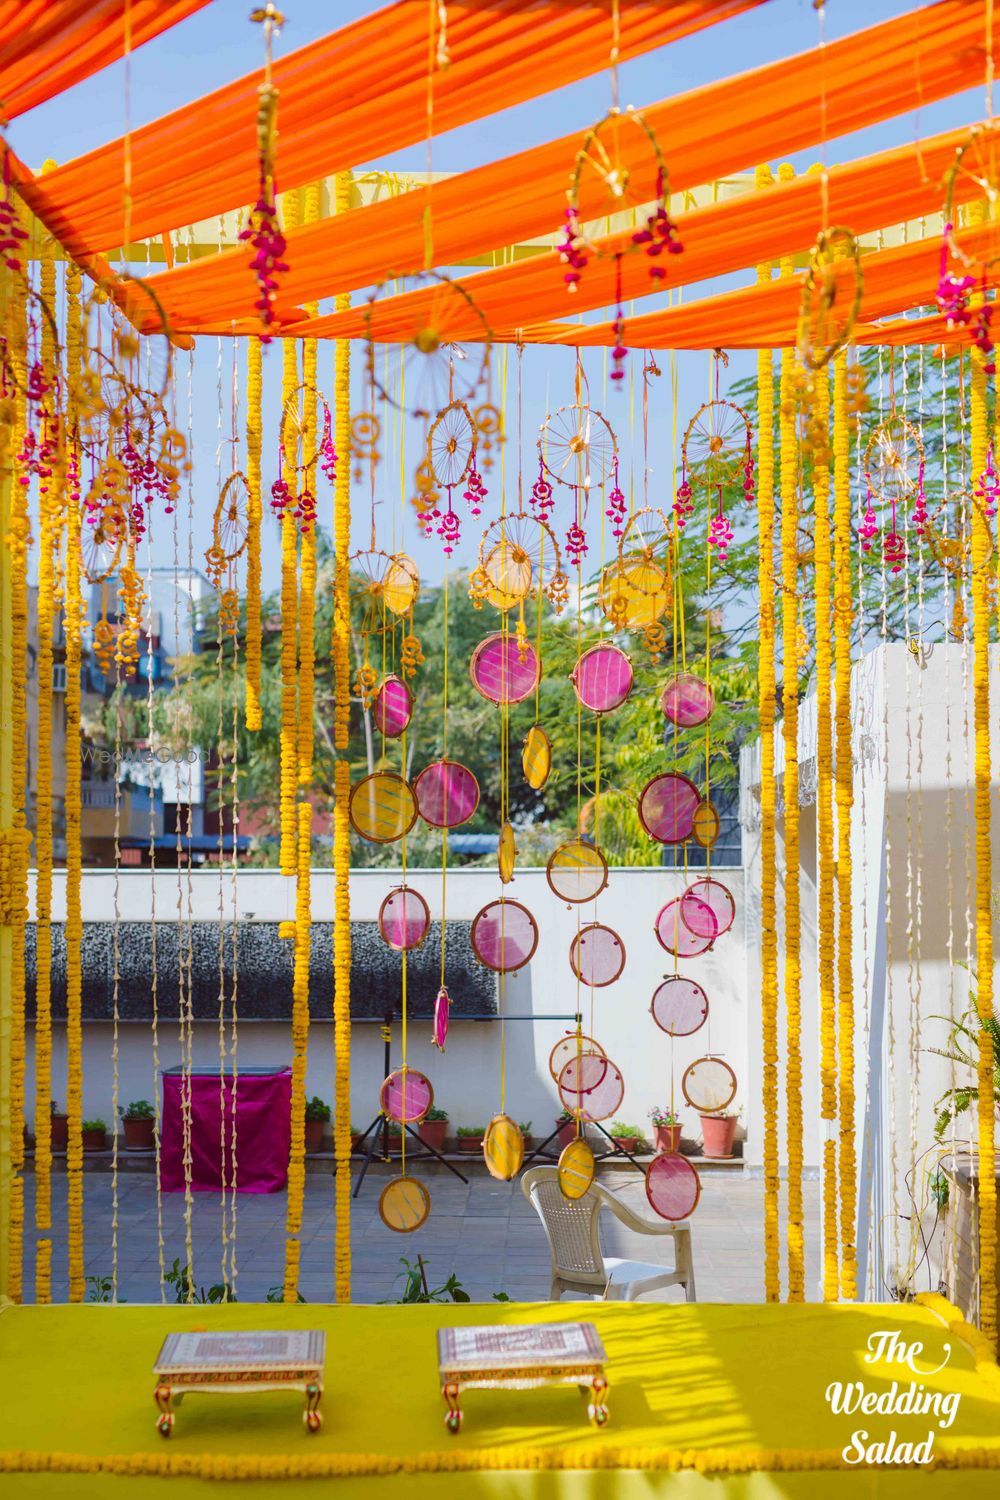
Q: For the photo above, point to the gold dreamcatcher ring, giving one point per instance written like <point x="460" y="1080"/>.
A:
<point x="716" y="445"/>
<point x="451" y="444"/>
<point x="423" y="366"/>
<point x="831" y="297"/>
<point x="577" y="446"/>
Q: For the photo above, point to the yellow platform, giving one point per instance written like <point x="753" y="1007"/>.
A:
<point x="706" y="1401"/>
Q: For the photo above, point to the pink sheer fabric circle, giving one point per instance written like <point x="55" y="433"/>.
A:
<point x="500" y="673"/>
<point x="403" y="919"/>
<point x="392" y="707"/>
<point x="442" y="1012"/>
<point x="672" y="1187"/>
<point x="406" y="1095"/>
<point x="711" y="897"/>
<point x="591" y="1088"/>
<point x="679" y="1006"/>
<point x="447" y="794"/>
<point x="603" y="678"/>
<point x="597" y="955"/>
<point x="570" y="1046"/>
<point x="504" y="935"/>
<point x="667" y="806"/>
<point x="674" y="934"/>
<point x="709" y="1085"/>
<point x="687" y="701"/>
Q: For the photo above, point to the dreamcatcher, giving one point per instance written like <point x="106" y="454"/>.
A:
<point x="519" y="559"/>
<point x="636" y="589"/>
<point x="894" y="475"/>
<point x="716" y="455"/>
<point x="604" y="184"/>
<point x="576" y="448"/>
<point x="230" y="534"/>
<point x="972" y="175"/>
<point x="831" y="297"/>
<point x="384" y="588"/>
<point x="450" y="462"/>
<point x="295" y="458"/>
<point x="423" y="367"/>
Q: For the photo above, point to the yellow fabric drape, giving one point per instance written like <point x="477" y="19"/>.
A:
<point x="768" y="794"/>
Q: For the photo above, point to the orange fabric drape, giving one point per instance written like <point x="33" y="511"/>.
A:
<point x="345" y="100"/>
<point x="761" y="317"/>
<point x="935" y="51"/>
<point x="723" y="237"/>
<point x="48" y="45"/>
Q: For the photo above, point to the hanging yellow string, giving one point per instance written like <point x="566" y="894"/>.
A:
<point x="818" y="397"/>
<point x="254" y="512"/>
<point x="289" y="600"/>
<point x="843" y="616"/>
<point x="74" y="855"/>
<point x="48" y="507"/>
<point x="15" y="840"/>
<point x="981" y="558"/>
<point x="300" y="1042"/>
<point x="342" y="787"/>
<point x="768" y="792"/>
<point x="790" y="736"/>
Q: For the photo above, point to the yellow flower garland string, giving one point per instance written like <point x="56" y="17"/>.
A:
<point x="768" y="793"/>
<point x="289" y="600"/>
<point x="254" y="512"/>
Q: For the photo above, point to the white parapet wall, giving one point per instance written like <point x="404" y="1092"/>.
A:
<point x="467" y="1079"/>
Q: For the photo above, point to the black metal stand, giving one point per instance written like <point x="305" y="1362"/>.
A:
<point x="379" y="1127"/>
<point x="616" y="1149"/>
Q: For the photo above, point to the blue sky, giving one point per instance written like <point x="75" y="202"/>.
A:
<point x="220" y="44"/>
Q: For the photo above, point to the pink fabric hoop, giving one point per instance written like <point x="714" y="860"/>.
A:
<point x="442" y="1010"/>
<point x="597" y="955"/>
<point x="679" y="1006"/>
<point x="710" y="896"/>
<point x="590" y="1087"/>
<point x="447" y="794"/>
<point x="687" y="701"/>
<point x="667" y="806"/>
<point x="500" y="673"/>
<point x="602" y="678"/>
<point x="392" y="707"/>
<point x="672" y="1187"/>
<point x="569" y="1046"/>
<point x="404" y="919"/>
<point x="504" y="936"/>
<point x="675" y="935"/>
<point x="406" y="1096"/>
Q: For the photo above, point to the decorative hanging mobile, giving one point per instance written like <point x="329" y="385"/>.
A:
<point x="404" y="919"/>
<point x="384" y="588"/>
<point x="605" y="183"/>
<point x="894" y="475"/>
<point x="577" y="449"/>
<point x="687" y="701"/>
<point x="405" y="1096"/>
<point x="831" y="297"/>
<point x="709" y="1085"/>
<point x="382" y="807"/>
<point x="576" y="1169"/>
<point x="717" y="457"/>
<point x="536" y="757"/>
<point x="680" y="938"/>
<point x="570" y="1045"/>
<point x="602" y="678"/>
<point x="503" y="1147"/>
<point x="679" y="1006"/>
<point x="591" y="1088"/>
<point x="577" y="872"/>
<point x="423" y="366"/>
<point x="519" y="558"/>
<point x="404" y="1204"/>
<point x="293" y="457"/>
<point x="636" y="587"/>
<point x="503" y="669"/>
<point x="707" y="908"/>
<point x="506" y="854"/>
<point x="673" y="1186"/>
<point x="447" y="794"/>
<point x="451" y="461"/>
<point x="667" y="807"/>
<point x="392" y="706"/>
<point x="504" y="936"/>
<point x="972" y="175"/>
<point x="262" y="230"/>
<point x="597" y="955"/>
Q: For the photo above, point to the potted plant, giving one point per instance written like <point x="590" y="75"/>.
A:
<point x="525" y="1128"/>
<point x="626" y="1137"/>
<point x="60" y="1127"/>
<point x="718" y="1131"/>
<point x="317" y="1116"/>
<point x="355" y="1138"/>
<point x="566" y="1127"/>
<point x="138" y="1122"/>
<point x="666" y="1131"/>
<point x="95" y="1135"/>
<point x="433" y="1128"/>
<point x="470" y="1139"/>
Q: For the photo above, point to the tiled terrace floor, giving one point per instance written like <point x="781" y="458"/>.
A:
<point x="485" y="1232"/>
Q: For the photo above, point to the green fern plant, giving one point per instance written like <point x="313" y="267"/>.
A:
<point x="963" y="1048"/>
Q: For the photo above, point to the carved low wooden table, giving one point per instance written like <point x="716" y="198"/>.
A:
<point x="518" y="1357"/>
<point x="229" y="1362"/>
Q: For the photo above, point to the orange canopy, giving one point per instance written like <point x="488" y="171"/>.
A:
<point x="48" y="45"/>
<point x="936" y="51"/>
<point x="347" y="99"/>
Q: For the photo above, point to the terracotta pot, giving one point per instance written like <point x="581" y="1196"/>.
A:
<point x="95" y="1140"/>
<point x="314" y="1134"/>
<point x="567" y="1132"/>
<point x="667" y="1139"/>
<point x="470" y="1144"/>
<point x="627" y="1143"/>
<point x="355" y="1138"/>
<point x="433" y="1132"/>
<point x="718" y="1133"/>
<point x="138" y="1134"/>
<point x="60" y="1132"/>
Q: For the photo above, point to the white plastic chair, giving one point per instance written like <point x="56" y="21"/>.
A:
<point x="573" y="1232"/>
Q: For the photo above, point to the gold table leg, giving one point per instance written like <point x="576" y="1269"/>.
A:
<point x="312" y="1416"/>
<point x="453" y="1416"/>
<point x="165" y="1421"/>
<point x="597" y="1411"/>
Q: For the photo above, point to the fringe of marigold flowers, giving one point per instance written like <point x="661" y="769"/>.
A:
<point x="74" y="856"/>
<point x="822" y="556"/>
<point x="342" y="787"/>
<point x="16" y="841"/>
<point x="300" y="1054"/>
<point x="843" y="618"/>
<point x="49" y="508"/>
<point x="981" y="555"/>
<point x="289" y="598"/>
<point x="255" y="386"/>
<point x="768" y="793"/>
<point x="307" y="587"/>
<point x="790" y="736"/>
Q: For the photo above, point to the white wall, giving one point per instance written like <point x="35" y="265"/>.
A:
<point x="467" y="1078"/>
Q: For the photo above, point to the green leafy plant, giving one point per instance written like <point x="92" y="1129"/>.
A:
<point x="99" y="1289"/>
<point x="621" y="1132"/>
<point x="524" y="1126"/>
<point x="962" y="1047"/>
<point x="416" y="1288"/>
<point x="317" y="1108"/>
<point x="436" y="1114"/>
<point x="938" y="1183"/>
<point x="277" y="1294"/>
<point x="94" y="1125"/>
<point x="663" y="1118"/>
<point x="470" y="1132"/>
<point x="139" y="1109"/>
<point x="179" y="1278"/>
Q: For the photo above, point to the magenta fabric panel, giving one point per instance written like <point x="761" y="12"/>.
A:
<point x="263" y="1132"/>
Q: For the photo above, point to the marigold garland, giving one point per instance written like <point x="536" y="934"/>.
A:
<point x="768" y="794"/>
<point x="74" y="856"/>
<point x="300" y="1053"/>
<point x="982" y="548"/>
<point x="342" y="788"/>
<point x="254" y="718"/>
<point x="843" y="618"/>
<point x="307" y="588"/>
<point x="818" y="395"/>
<point x="289" y="602"/>
<point x="15" y="841"/>
<point x="789" y="477"/>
